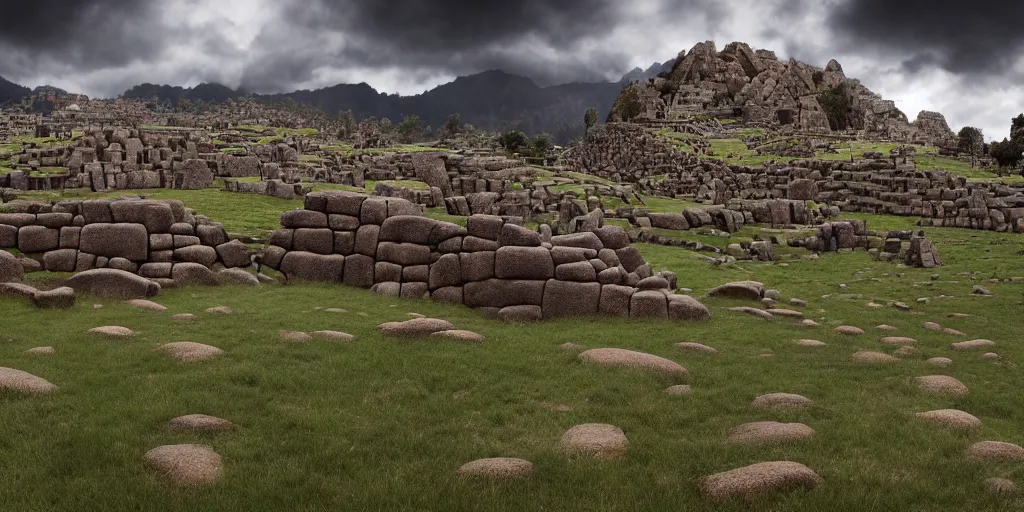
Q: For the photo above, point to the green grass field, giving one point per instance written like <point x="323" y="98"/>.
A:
<point x="383" y="424"/>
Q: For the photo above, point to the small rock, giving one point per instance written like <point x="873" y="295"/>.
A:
<point x="953" y="332"/>
<point x="186" y="465"/>
<point x="990" y="356"/>
<point x="759" y="313"/>
<point x="184" y="317"/>
<point x="498" y="468"/>
<point x="808" y="323"/>
<point x="617" y="357"/>
<point x="113" y="331"/>
<point x="972" y="345"/>
<point x="758" y="479"/>
<point x="781" y="401"/>
<point x="848" y="330"/>
<point x="596" y="440"/>
<point x="459" y="335"/>
<point x="680" y="390"/>
<point x="942" y="384"/>
<point x="951" y="418"/>
<point x="200" y="423"/>
<point x="1001" y="486"/>
<point x="332" y="336"/>
<point x="981" y="291"/>
<point x="763" y="432"/>
<point x="41" y="351"/>
<point x="884" y="327"/>
<point x="898" y="340"/>
<point x="940" y="362"/>
<point x="295" y="336"/>
<point x="810" y="343"/>
<point x="415" y="327"/>
<point x="146" y="304"/>
<point x="902" y="306"/>
<point x="995" y="450"/>
<point x="696" y="347"/>
<point x="335" y="310"/>
<point x="906" y="351"/>
<point x="219" y="310"/>
<point x="190" y="352"/>
<point x="932" y="326"/>
<point x="798" y="303"/>
<point x="873" y="358"/>
<point x="24" y="382"/>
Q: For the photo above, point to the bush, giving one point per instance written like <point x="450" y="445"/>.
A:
<point x="836" y="104"/>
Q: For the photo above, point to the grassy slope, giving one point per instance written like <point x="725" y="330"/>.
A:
<point x="381" y="424"/>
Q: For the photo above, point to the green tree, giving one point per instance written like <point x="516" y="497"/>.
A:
<point x="590" y="118"/>
<point x="513" y="141"/>
<point x="410" y="129"/>
<point x="453" y="125"/>
<point x="835" y="102"/>
<point x="1008" y="153"/>
<point x="971" y="141"/>
<point x="1017" y="127"/>
<point x="542" y="144"/>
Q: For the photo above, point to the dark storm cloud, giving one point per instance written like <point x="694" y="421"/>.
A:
<point x="94" y="33"/>
<point x="541" y="39"/>
<point x="982" y="36"/>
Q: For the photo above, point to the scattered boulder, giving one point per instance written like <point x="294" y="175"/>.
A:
<point x="942" y="384"/>
<point x="595" y="440"/>
<point x="113" y="284"/>
<point x="617" y="357"/>
<point x="10" y="268"/>
<point x="332" y="336"/>
<point x="789" y="313"/>
<point x="238" y="276"/>
<point x="113" y="331"/>
<point x="24" y="382"/>
<point x="58" y="298"/>
<point x="498" y="468"/>
<point x="995" y="450"/>
<point x="41" y="351"/>
<point x="218" y="310"/>
<point x="190" y="352"/>
<point x="696" y="347"/>
<point x="940" y="362"/>
<point x="951" y="418"/>
<point x="898" y="340"/>
<point x="848" y="330"/>
<point x="754" y="312"/>
<point x="887" y="328"/>
<point x="810" y="343"/>
<point x="870" y="357"/>
<point x="781" y="401"/>
<point x="521" y="314"/>
<point x="186" y="465"/>
<point x="146" y="304"/>
<point x="932" y="326"/>
<point x="765" y="432"/>
<point x="972" y="345"/>
<point x="679" y="390"/>
<point x="1001" y="486"/>
<point x="990" y="356"/>
<point x="758" y="479"/>
<point x="199" y="423"/>
<point x="295" y="336"/>
<point x="751" y="290"/>
<point x="459" y="335"/>
<point x="417" y="327"/>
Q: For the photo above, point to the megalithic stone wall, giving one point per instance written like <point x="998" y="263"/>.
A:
<point x="157" y="239"/>
<point x="519" y="274"/>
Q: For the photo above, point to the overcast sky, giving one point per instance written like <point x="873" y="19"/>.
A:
<point x="962" y="59"/>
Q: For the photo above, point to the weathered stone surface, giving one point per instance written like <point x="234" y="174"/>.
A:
<point x="497" y="468"/>
<point x="751" y="290"/>
<point x="128" y="241"/>
<point x="617" y="357"/>
<point x="562" y="298"/>
<point x="527" y="263"/>
<point x="942" y="384"/>
<point x="186" y="465"/>
<point x="595" y="440"/>
<point x="500" y="293"/>
<point x="307" y="266"/>
<point x="234" y="254"/>
<point x="358" y="271"/>
<point x="758" y="479"/>
<point x="767" y="432"/>
<point x="684" y="307"/>
<point x="781" y="401"/>
<point x="33" y="239"/>
<point x="295" y="219"/>
<point x="403" y="254"/>
<point x="648" y="304"/>
<point x="24" y="382"/>
<point x="951" y="418"/>
<point x="186" y="274"/>
<point x="516" y="314"/>
<point x="58" y="298"/>
<point x="201" y="254"/>
<point x="417" y="327"/>
<point x="477" y="266"/>
<point x="10" y="268"/>
<point x="114" y="284"/>
<point x="995" y="450"/>
<point x="615" y="300"/>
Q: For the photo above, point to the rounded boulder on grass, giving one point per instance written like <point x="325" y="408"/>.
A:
<point x="186" y="465"/>
<point x="497" y="468"/>
<point x="758" y="479"/>
<point x="621" y="358"/>
<point x="595" y="440"/>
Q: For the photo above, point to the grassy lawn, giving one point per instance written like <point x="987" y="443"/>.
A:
<point x="240" y="213"/>
<point x="382" y="424"/>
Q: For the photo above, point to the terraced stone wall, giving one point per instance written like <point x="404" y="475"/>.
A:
<point x="870" y="186"/>
<point x="157" y="239"/>
<point x="493" y="264"/>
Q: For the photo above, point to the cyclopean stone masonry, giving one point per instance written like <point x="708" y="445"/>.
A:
<point x="513" y="272"/>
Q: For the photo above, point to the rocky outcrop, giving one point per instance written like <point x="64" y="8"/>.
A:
<point x="741" y="82"/>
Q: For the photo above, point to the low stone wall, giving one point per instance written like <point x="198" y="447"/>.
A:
<point x="273" y="188"/>
<point x="631" y="154"/>
<point x="912" y="247"/>
<point x="152" y="238"/>
<point x="518" y="274"/>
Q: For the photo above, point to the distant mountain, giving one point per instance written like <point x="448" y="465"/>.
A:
<point x="492" y="100"/>
<point x="12" y="92"/>
<point x="639" y="74"/>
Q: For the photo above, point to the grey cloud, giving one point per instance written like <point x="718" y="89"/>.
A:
<point x="982" y="36"/>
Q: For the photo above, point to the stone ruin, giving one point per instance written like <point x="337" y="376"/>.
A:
<point x="912" y="247"/>
<point x="157" y="239"/>
<point x="884" y="186"/>
<point x="492" y="264"/>
<point x="755" y="85"/>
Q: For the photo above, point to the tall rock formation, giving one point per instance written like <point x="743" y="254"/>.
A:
<point x="754" y="84"/>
